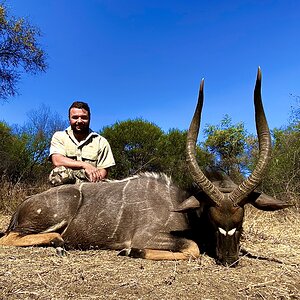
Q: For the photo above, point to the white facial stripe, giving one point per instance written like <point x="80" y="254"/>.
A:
<point x="231" y="232"/>
<point x="222" y="231"/>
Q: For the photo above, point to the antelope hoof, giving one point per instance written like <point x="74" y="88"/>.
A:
<point x="61" y="252"/>
<point x="124" y="252"/>
<point x="132" y="252"/>
<point x="137" y="253"/>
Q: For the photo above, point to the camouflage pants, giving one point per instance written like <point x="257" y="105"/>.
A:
<point x="62" y="175"/>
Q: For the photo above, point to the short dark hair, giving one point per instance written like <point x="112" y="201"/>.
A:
<point x="82" y="105"/>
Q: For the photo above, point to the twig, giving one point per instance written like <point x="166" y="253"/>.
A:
<point x="144" y="165"/>
<point x="257" y="285"/>
<point x="42" y="280"/>
<point x="26" y="292"/>
<point x="246" y="253"/>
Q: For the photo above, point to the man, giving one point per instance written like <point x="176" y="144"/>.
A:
<point x="78" y="153"/>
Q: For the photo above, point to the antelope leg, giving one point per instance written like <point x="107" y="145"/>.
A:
<point x="46" y="239"/>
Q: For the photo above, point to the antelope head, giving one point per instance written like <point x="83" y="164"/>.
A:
<point x="226" y="208"/>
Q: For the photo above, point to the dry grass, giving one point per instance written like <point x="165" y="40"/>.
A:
<point x="11" y="195"/>
<point x="37" y="273"/>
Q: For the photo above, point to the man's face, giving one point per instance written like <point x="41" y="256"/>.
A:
<point x="79" y="120"/>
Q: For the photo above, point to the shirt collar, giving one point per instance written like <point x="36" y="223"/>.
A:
<point x="70" y="133"/>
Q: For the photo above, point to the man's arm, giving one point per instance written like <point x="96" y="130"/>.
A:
<point x="61" y="160"/>
<point x="94" y="174"/>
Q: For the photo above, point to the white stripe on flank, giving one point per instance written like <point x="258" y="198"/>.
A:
<point x="80" y="194"/>
<point x="118" y="219"/>
<point x="78" y="206"/>
<point x="55" y="227"/>
<point x="147" y="208"/>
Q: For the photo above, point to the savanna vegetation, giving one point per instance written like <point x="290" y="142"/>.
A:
<point x="139" y="146"/>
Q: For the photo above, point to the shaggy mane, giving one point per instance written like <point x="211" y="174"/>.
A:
<point x="158" y="176"/>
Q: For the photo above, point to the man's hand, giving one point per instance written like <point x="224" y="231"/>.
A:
<point x="94" y="174"/>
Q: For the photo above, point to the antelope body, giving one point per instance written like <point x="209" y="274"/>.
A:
<point x="147" y="216"/>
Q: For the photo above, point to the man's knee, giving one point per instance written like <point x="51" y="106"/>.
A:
<point x="61" y="175"/>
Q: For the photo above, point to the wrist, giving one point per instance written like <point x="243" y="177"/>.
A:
<point x="83" y="165"/>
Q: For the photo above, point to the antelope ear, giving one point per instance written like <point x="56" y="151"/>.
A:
<point x="189" y="203"/>
<point x="268" y="203"/>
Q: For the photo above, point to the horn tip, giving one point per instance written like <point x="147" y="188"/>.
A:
<point x="202" y="84"/>
<point x="259" y="73"/>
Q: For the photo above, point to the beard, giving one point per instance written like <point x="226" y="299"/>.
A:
<point x="81" y="128"/>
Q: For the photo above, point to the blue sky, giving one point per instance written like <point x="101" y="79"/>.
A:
<point x="131" y="59"/>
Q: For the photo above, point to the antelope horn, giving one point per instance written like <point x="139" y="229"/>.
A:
<point x="264" y="139"/>
<point x="200" y="179"/>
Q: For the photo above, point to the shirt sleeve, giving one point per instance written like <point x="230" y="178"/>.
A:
<point x="57" y="144"/>
<point x="106" y="158"/>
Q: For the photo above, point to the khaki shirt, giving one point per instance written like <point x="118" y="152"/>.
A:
<point x="94" y="150"/>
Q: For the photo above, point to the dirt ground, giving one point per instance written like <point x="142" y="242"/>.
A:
<point x="274" y="238"/>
